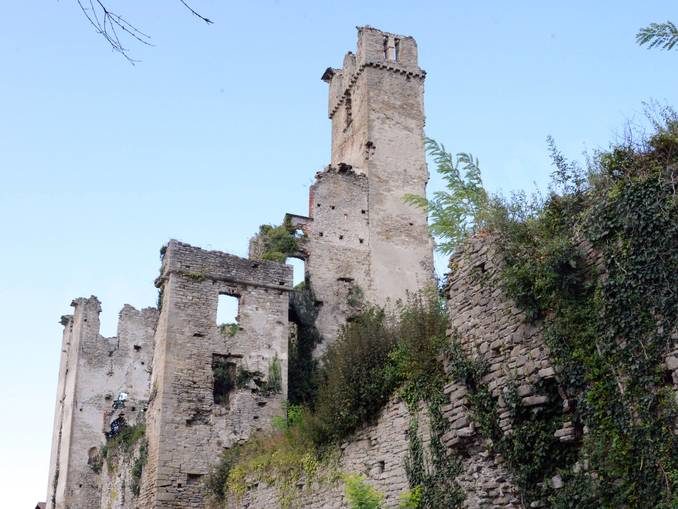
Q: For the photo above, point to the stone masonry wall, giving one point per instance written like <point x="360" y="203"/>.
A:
<point x="186" y="429"/>
<point x="337" y="247"/>
<point x="377" y="452"/>
<point x="94" y="371"/>
<point x="489" y="326"/>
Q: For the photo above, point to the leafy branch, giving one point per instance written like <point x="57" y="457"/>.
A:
<point x="658" y="35"/>
<point x="456" y="212"/>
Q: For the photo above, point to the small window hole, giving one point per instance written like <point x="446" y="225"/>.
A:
<point x="227" y="313"/>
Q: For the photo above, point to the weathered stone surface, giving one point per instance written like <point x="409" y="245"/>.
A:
<point x="187" y="429"/>
<point x="377" y="452"/>
<point x="94" y="371"/>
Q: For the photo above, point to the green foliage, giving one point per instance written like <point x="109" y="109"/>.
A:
<point x="279" y="242"/>
<point x="458" y="211"/>
<point x="432" y="477"/>
<point x="411" y="499"/>
<point x="353" y="388"/>
<point x="419" y="328"/>
<point x="215" y="483"/>
<point x="361" y="495"/>
<point x="356" y="296"/>
<point x="294" y="416"/>
<point x="229" y="329"/>
<point x="375" y="355"/>
<point x="196" y="276"/>
<point x="658" y="35"/>
<point x="530" y="451"/>
<point x="224" y="375"/>
<point x="138" y="467"/>
<point x="302" y="366"/>
<point x="281" y="459"/>
<point x="607" y="332"/>
<point x="273" y="383"/>
<point x="227" y="377"/>
<point x="123" y="443"/>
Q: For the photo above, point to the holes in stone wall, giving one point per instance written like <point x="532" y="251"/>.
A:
<point x="137" y="348"/>
<point x="193" y="479"/>
<point x="363" y="211"/>
<point x="369" y="150"/>
<point x="227" y="313"/>
<point x="223" y="373"/>
<point x="320" y="234"/>
<point x="361" y="241"/>
<point x="332" y="207"/>
<point x="348" y="115"/>
<point x="341" y="237"/>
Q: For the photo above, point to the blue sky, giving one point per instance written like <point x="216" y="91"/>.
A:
<point x="221" y="128"/>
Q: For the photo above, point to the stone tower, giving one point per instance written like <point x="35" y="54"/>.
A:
<point x="189" y="423"/>
<point x="365" y="244"/>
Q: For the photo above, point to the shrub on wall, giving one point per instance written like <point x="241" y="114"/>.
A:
<point x="596" y="262"/>
<point x="361" y="495"/>
<point x="353" y="386"/>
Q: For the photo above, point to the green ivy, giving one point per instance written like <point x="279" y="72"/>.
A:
<point x="608" y="324"/>
<point x="138" y="467"/>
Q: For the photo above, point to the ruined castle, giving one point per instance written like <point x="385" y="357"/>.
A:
<point x="359" y="236"/>
<point x="362" y="244"/>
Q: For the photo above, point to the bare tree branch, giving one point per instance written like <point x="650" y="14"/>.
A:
<point x="206" y="20"/>
<point x="112" y="26"/>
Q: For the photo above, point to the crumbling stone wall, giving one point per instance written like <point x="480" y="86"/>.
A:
<point x="491" y="327"/>
<point x="377" y="452"/>
<point x="186" y="428"/>
<point x="337" y="246"/>
<point x="94" y="371"/>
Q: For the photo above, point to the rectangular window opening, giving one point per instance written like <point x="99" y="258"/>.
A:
<point x="228" y="309"/>
<point x="298" y="270"/>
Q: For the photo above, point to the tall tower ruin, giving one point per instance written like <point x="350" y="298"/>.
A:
<point x="364" y="243"/>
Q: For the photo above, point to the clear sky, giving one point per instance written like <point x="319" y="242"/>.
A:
<point x="221" y="128"/>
